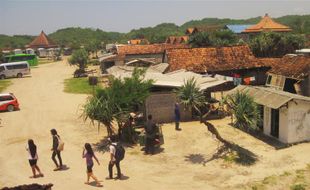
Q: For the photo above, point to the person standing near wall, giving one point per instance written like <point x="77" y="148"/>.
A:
<point x="150" y="133"/>
<point x="177" y="116"/>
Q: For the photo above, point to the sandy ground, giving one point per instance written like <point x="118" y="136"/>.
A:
<point x="181" y="164"/>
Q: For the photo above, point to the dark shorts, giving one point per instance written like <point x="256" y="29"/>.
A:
<point x="33" y="162"/>
<point x="90" y="168"/>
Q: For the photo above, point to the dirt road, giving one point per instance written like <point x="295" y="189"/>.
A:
<point x="181" y="165"/>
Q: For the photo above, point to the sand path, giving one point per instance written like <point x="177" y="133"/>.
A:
<point x="181" y="165"/>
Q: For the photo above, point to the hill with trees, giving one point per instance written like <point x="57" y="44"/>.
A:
<point x="76" y="36"/>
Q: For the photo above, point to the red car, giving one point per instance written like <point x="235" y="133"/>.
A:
<point x="8" y="102"/>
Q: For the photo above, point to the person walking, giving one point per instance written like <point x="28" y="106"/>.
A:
<point x="113" y="159"/>
<point x="177" y="116"/>
<point x="150" y="132"/>
<point x="33" y="158"/>
<point x="55" y="150"/>
<point x="89" y="155"/>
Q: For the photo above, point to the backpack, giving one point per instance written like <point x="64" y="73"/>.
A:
<point x="119" y="152"/>
<point x="61" y="144"/>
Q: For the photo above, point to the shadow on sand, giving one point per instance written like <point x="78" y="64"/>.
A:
<point x="242" y="156"/>
<point x="103" y="145"/>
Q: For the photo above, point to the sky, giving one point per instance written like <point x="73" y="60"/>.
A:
<point x="32" y="16"/>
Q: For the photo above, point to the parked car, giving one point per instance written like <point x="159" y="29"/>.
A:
<point x="14" y="69"/>
<point x="8" y="102"/>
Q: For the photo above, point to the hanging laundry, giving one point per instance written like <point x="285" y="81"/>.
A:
<point x="237" y="81"/>
<point x="220" y="77"/>
<point x="236" y="75"/>
<point x="229" y="78"/>
<point x="247" y="80"/>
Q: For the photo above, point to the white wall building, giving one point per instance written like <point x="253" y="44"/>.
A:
<point x="286" y="116"/>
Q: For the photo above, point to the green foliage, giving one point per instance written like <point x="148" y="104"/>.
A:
<point x="1" y="57"/>
<point x="79" y="57"/>
<point x="118" y="100"/>
<point x="157" y="34"/>
<point x="298" y="187"/>
<point x="276" y="44"/>
<point x="245" y="110"/>
<point x="201" y="39"/>
<point x="16" y="41"/>
<point x="190" y="95"/>
<point x="78" y="86"/>
<point x="217" y="38"/>
<point x="75" y="37"/>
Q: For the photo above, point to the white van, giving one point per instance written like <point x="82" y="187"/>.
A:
<point x="14" y="69"/>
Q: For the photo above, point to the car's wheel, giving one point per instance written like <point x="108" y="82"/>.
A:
<point x="2" y="76"/>
<point x="10" y="108"/>
<point x="19" y="75"/>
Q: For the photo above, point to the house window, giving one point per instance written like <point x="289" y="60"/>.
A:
<point x="276" y="81"/>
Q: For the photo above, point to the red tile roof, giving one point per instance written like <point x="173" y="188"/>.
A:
<point x="296" y="67"/>
<point x="177" y="39"/>
<point x="138" y="41"/>
<point x="267" y="24"/>
<point x="212" y="59"/>
<point x="147" y="49"/>
<point x="42" y="41"/>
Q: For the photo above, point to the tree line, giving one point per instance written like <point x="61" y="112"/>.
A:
<point x="94" y="39"/>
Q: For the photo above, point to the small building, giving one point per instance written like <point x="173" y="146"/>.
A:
<point x="290" y="73"/>
<point x="161" y="101"/>
<point x="267" y="24"/>
<point x="142" y="41"/>
<point x="127" y="53"/>
<point x="285" y="116"/>
<point x="42" y="41"/>
<point x="236" y="63"/>
<point x="18" y="51"/>
<point x="305" y="52"/>
<point x="177" y="40"/>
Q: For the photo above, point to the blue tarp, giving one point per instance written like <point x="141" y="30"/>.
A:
<point x="237" y="28"/>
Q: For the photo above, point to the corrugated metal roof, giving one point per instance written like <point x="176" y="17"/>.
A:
<point x="238" y="28"/>
<point x="175" y="79"/>
<point x="267" y="96"/>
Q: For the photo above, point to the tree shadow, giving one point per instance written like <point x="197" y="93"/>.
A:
<point x="196" y="159"/>
<point x="241" y="156"/>
<point x="103" y="145"/>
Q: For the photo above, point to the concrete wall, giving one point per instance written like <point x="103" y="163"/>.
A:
<point x="283" y="128"/>
<point x="294" y="122"/>
<point x="298" y="121"/>
<point x="283" y="125"/>
<point x="161" y="106"/>
<point x="305" y="86"/>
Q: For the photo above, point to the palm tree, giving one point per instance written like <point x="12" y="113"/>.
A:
<point x="191" y="97"/>
<point x="244" y="109"/>
<point x="115" y="102"/>
<point x="102" y="110"/>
